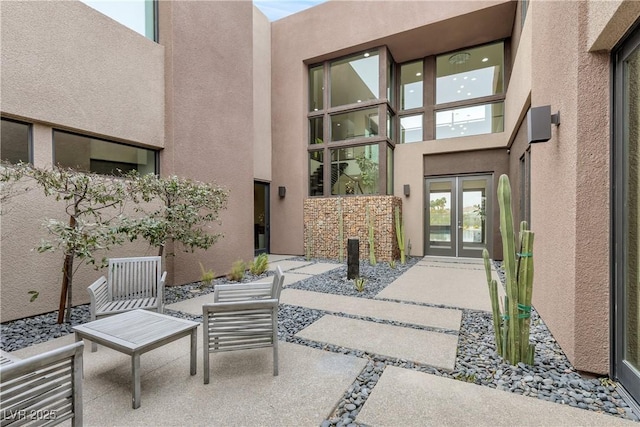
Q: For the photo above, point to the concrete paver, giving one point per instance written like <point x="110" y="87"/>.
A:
<point x="286" y="265"/>
<point x="294" y="277"/>
<point x="274" y="258"/>
<point x="242" y="391"/>
<point x="317" y="268"/>
<point x="406" y="313"/>
<point x="410" y="398"/>
<point x="431" y="348"/>
<point x="446" y="285"/>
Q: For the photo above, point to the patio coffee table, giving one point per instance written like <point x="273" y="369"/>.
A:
<point x="136" y="332"/>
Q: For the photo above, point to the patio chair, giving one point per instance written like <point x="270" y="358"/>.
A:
<point x="132" y="283"/>
<point x="45" y="389"/>
<point x="242" y="317"/>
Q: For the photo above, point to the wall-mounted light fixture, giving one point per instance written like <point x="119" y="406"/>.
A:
<point x="539" y="121"/>
<point x="407" y="190"/>
<point x="282" y="191"/>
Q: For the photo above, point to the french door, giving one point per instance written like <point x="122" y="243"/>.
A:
<point x="457" y="215"/>
<point x="626" y="215"/>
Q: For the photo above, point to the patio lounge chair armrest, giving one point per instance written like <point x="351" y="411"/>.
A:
<point x="160" y="292"/>
<point x="99" y="295"/>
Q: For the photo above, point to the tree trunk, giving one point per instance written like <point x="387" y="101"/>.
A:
<point x="160" y="250"/>
<point x="67" y="278"/>
<point x="65" y="292"/>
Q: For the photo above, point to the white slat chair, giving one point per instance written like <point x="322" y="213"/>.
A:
<point x="132" y="283"/>
<point x="242" y="317"/>
<point x="45" y="389"/>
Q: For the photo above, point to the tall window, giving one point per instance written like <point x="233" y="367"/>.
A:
<point x="467" y="83"/>
<point x="467" y="98"/>
<point x="101" y="156"/>
<point x="15" y="141"/>
<point x="350" y="125"/>
<point x="139" y="15"/>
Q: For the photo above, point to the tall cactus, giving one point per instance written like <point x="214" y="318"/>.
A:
<point x="340" y="231"/>
<point x="512" y="336"/>
<point x="400" y="234"/>
<point x="372" y="248"/>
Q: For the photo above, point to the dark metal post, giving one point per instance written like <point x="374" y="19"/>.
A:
<point x="353" y="258"/>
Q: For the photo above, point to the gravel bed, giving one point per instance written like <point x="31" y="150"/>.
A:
<point x="552" y="377"/>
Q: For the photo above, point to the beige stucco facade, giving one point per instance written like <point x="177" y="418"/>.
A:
<point x="224" y="96"/>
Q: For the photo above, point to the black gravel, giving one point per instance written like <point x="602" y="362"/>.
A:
<point x="551" y="378"/>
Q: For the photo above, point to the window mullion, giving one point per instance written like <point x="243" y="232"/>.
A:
<point x="428" y="89"/>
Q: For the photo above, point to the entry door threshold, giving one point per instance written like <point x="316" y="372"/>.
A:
<point x="635" y="406"/>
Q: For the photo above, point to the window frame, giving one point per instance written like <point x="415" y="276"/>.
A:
<point x="156" y="153"/>
<point x="29" y="137"/>
<point x="430" y="108"/>
<point x="384" y="108"/>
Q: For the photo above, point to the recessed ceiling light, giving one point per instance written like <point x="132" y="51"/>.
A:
<point x="458" y="91"/>
<point x="359" y="100"/>
<point x="461" y="86"/>
<point x="465" y="77"/>
<point x="366" y="55"/>
<point x="315" y="109"/>
<point x="461" y="133"/>
<point x="468" y="93"/>
<point x="485" y="59"/>
<point x="411" y="91"/>
<point x="473" y="78"/>
<point x="338" y="124"/>
<point x="455" y="78"/>
<point x="460" y="125"/>
<point x="418" y="74"/>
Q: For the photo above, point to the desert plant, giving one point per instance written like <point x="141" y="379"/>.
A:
<point x="392" y="264"/>
<point x="186" y="211"/>
<point x="359" y="283"/>
<point x="93" y="204"/>
<point x="340" y="230"/>
<point x="309" y="246"/>
<point x="237" y="271"/>
<point x="206" y="276"/>
<point x="372" y="248"/>
<point x="512" y="327"/>
<point x="400" y="234"/>
<point x="259" y="265"/>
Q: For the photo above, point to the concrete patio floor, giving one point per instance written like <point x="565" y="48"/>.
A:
<point x="312" y="382"/>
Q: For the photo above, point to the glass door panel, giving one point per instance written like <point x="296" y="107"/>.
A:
<point x="472" y="221"/>
<point x="440" y="215"/>
<point x="627" y="216"/>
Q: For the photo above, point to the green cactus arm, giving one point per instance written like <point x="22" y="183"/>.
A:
<point x="508" y="243"/>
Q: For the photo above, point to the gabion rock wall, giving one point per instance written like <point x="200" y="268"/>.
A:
<point x="321" y="226"/>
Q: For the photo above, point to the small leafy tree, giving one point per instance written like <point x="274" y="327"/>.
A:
<point x="187" y="208"/>
<point x="93" y="204"/>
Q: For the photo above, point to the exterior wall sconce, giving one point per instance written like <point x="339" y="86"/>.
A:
<point x="282" y="191"/>
<point x="407" y="190"/>
<point x="539" y="121"/>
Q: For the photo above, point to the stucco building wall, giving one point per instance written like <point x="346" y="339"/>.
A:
<point x="67" y="66"/>
<point x="210" y="129"/>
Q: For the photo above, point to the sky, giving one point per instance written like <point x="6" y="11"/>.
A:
<point x="276" y="9"/>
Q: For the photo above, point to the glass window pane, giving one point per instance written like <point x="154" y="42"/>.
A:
<point x="135" y="14"/>
<point x="390" y="79"/>
<point x="316" y="133"/>
<point x="14" y="141"/>
<point x="99" y="156"/>
<point x="475" y="120"/>
<point x="411" y="128"/>
<point x="389" y="125"/>
<point x="355" y="170"/>
<point x="316" y="170"/>
<point x="470" y="73"/>
<point x="355" y="124"/>
<point x="411" y="85"/>
<point x="440" y="214"/>
<point x="355" y="79"/>
<point x="316" y="88"/>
